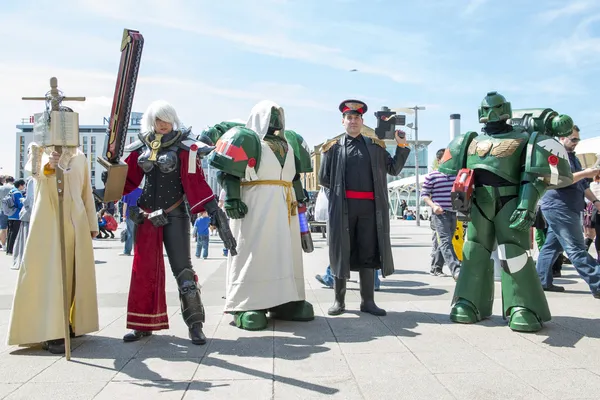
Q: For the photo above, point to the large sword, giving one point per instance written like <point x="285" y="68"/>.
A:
<point x="116" y="170"/>
<point x="55" y="98"/>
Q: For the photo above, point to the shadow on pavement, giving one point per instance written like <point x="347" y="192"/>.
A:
<point x="409" y="272"/>
<point x="568" y="331"/>
<point x="291" y="341"/>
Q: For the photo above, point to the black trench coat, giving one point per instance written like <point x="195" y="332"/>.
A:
<point x="332" y="177"/>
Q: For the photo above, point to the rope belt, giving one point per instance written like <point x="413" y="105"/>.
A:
<point x="291" y="204"/>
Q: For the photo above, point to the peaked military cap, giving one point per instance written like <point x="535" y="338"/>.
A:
<point x="353" y="107"/>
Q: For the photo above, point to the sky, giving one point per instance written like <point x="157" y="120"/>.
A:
<point x="213" y="60"/>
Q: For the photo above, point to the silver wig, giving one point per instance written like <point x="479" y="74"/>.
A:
<point x="162" y="110"/>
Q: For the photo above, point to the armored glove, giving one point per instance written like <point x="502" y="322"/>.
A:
<point x="523" y="217"/>
<point x="218" y="216"/>
<point x="235" y="208"/>
<point x="522" y="220"/>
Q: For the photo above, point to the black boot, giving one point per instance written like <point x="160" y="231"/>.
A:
<point x="192" y="308"/>
<point x="136" y="335"/>
<point x="56" y="346"/>
<point x="367" y="292"/>
<point x="196" y="334"/>
<point x="339" y="306"/>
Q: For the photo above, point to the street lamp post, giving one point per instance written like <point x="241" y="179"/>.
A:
<point x="416" y="146"/>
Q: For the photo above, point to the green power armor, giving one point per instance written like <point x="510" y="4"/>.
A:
<point x="514" y="161"/>
<point x="237" y="156"/>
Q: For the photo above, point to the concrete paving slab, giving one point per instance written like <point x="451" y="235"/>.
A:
<point x="80" y="370"/>
<point x="57" y="390"/>
<point x="319" y="388"/>
<point x="7" y="388"/>
<point x="404" y="386"/>
<point x="563" y="384"/>
<point x="252" y="389"/>
<point x="164" y="390"/>
<point x="158" y="369"/>
<point x="216" y="367"/>
<point x="22" y="368"/>
<point x="490" y="385"/>
<point x="413" y="352"/>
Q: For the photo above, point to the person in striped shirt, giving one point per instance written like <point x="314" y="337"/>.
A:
<point x="436" y="194"/>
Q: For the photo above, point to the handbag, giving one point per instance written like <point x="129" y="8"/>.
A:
<point x="321" y="206"/>
<point x="124" y="235"/>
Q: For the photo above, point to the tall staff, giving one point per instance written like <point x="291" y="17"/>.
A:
<point x="57" y="137"/>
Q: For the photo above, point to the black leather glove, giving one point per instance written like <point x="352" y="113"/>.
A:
<point x="212" y="208"/>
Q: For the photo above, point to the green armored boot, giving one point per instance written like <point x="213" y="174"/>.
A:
<point x="250" y="320"/>
<point x="293" y="311"/>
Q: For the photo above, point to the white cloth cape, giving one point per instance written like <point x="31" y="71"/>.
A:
<point x="268" y="269"/>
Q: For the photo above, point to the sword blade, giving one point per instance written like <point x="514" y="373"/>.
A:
<point x="132" y="45"/>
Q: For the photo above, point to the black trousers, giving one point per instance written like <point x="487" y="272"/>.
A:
<point x="11" y="236"/>
<point x="364" y="248"/>
<point x="176" y="237"/>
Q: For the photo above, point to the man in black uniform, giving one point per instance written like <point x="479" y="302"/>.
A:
<point x="354" y="172"/>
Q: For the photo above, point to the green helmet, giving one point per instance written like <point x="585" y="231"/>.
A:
<point x="494" y="107"/>
<point x="277" y="122"/>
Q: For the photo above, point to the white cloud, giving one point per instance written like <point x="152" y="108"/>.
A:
<point x="577" y="51"/>
<point x="274" y="43"/>
<point x="472" y="7"/>
<point x="571" y="8"/>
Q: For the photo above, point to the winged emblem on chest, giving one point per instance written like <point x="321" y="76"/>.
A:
<point x="505" y="148"/>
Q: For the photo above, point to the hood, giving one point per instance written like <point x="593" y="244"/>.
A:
<point x="260" y="117"/>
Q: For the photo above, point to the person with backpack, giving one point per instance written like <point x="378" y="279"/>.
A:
<point x="24" y="217"/>
<point x="5" y="187"/>
<point x="11" y="206"/>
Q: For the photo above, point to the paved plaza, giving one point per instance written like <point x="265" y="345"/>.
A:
<point x="415" y="352"/>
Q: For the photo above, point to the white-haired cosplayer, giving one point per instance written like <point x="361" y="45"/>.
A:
<point x="160" y="114"/>
<point x="169" y="160"/>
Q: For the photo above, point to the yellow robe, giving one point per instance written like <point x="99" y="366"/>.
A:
<point x="37" y="310"/>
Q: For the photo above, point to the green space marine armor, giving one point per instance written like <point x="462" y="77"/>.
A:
<point x="237" y="156"/>
<point x="514" y="161"/>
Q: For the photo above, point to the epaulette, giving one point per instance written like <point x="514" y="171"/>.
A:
<point x="138" y="144"/>
<point x="328" y="145"/>
<point x="193" y="145"/>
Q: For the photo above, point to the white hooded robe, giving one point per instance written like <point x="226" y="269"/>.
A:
<point x="268" y="269"/>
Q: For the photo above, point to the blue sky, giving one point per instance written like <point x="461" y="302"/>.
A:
<point x="215" y="59"/>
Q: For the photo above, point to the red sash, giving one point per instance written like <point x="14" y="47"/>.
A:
<point x="351" y="194"/>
